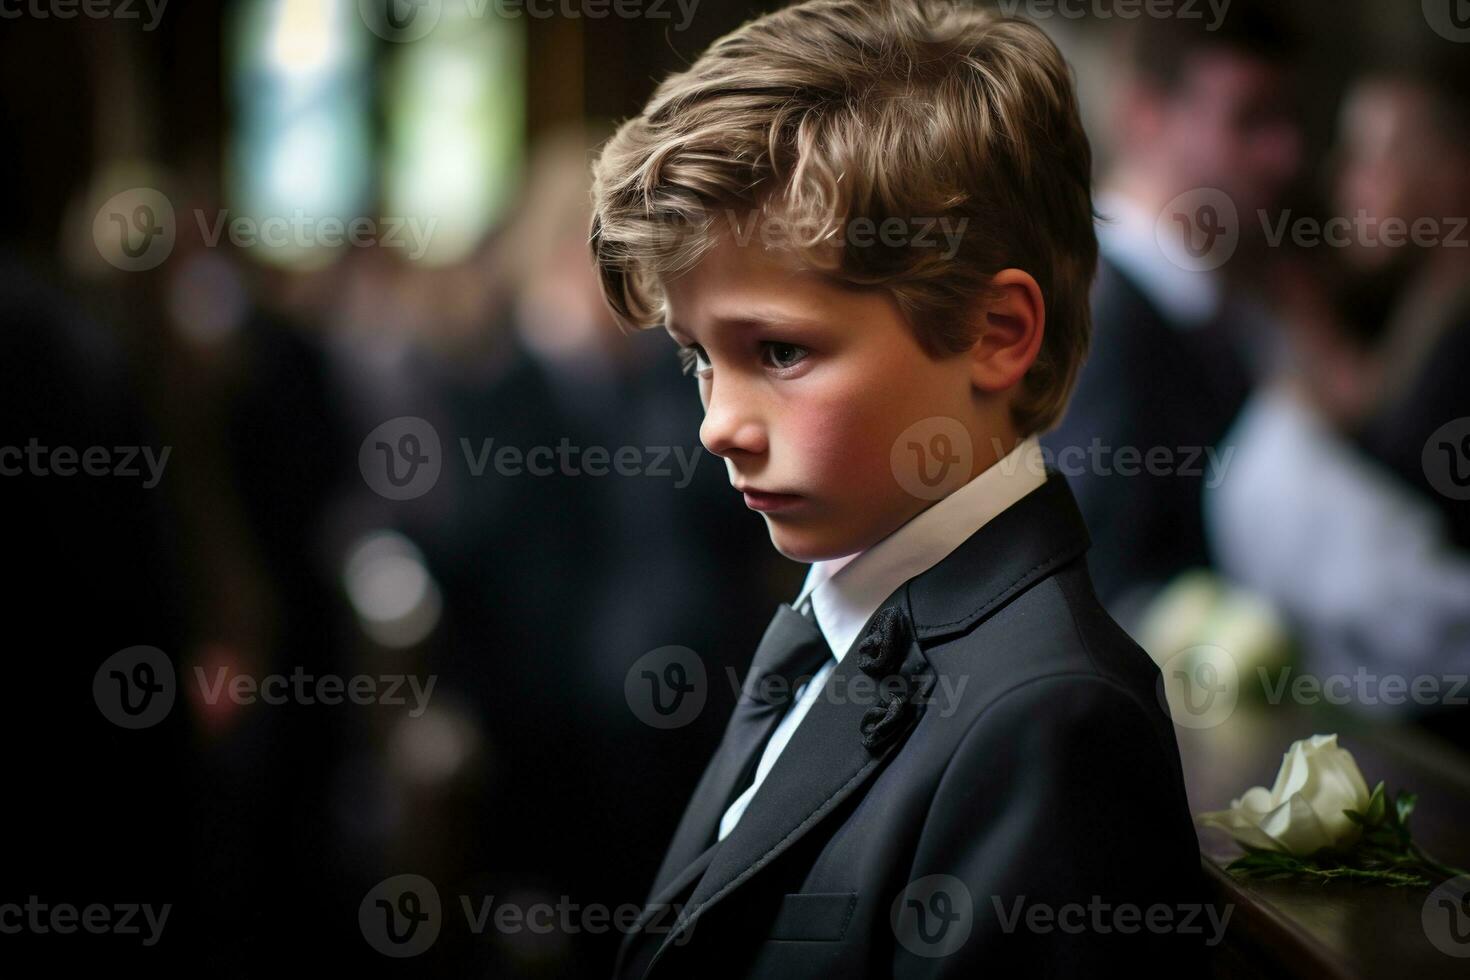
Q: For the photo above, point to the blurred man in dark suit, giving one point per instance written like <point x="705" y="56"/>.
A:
<point x="1202" y="126"/>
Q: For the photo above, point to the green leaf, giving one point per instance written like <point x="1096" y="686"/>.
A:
<point x="1376" y="805"/>
<point x="1404" y="806"/>
<point x="1257" y="863"/>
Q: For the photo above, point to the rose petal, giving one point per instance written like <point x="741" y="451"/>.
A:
<point x="1296" y="828"/>
<point x="1238" y="826"/>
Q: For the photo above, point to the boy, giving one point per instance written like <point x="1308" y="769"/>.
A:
<point x="868" y="225"/>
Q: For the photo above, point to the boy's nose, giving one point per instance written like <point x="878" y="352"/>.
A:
<point x="731" y="427"/>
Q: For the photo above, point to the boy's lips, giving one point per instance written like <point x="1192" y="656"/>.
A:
<point x="766" y="500"/>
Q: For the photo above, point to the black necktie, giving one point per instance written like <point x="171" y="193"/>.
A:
<point x="792" y="650"/>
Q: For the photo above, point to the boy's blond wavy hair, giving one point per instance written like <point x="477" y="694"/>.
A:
<point x="835" y="110"/>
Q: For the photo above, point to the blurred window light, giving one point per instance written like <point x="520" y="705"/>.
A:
<point x="456" y="123"/>
<point x="301" y="145"/>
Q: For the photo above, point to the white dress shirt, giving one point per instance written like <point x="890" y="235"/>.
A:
<point x="1360" y="563"/>
<point x="1127" y="238"/>
<point x="845" y="592"/>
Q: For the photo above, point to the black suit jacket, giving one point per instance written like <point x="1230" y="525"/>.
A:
<point x="1051" y="781"/>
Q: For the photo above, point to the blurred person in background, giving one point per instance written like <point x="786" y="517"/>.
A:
<point x="1200" y="109"/>
<point x="1406" y="157"/>
<point x="1347" y="503"/>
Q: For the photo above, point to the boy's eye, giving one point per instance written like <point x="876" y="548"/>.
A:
<point x="692" y="359"/>
<point x="785" y="355"/>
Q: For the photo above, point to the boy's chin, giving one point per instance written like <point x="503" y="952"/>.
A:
<point x="808" y="544"/>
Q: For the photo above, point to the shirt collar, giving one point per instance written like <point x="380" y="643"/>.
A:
<point x="1126" y="236"/>
<point x="845" y="592"/>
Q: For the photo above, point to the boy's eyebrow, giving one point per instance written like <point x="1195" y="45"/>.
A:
<point x="747" y="320"/>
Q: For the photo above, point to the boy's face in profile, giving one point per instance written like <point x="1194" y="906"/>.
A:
<point x="807" y="384"/>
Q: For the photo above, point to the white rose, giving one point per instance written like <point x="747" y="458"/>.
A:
<point x="1303" y="812"/>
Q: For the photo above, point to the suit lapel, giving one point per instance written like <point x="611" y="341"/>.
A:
<point x="787" y="634"/>
<point x="825" y="763"/>
<point x="1021" y="545"/>
<point x="697" y="826"/>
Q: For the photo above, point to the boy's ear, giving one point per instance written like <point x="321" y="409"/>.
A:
<point x="1012" y="321"/>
